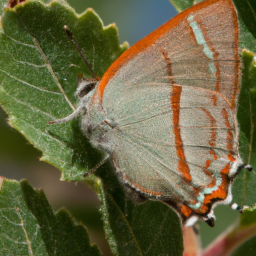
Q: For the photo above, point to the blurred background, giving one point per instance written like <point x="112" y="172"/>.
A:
<point x="20" y="160"/>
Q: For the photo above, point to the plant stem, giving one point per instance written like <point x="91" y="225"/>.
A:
<point x="229" y="241"/>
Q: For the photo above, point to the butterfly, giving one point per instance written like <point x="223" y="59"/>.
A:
<point x="164" y="113"/>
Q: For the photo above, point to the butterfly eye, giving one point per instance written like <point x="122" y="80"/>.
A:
<point x="85" y="86"/>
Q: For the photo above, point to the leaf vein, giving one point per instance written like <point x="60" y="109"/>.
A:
<point x="159" y="230"/>
<point x="26" y="83"/>
<point x="28" y="105"/>
<point x="23" y="62"/>
<point x="16" y="41"/>
<point x="30" y="251"/>
<point x="127" y="223"/>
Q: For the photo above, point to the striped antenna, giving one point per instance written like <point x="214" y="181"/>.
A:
<point x="70" y="35"/>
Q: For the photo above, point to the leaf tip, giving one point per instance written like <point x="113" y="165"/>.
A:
<point x="125" y="45"/>
<point x="1" y="180"/>
<point x="249" y="56"/>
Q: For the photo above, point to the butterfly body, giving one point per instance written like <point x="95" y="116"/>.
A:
<point x="165" y="111"/>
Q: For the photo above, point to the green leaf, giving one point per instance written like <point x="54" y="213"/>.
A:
<point x="38" y="71"/>
<point x="248" y="218"/>
<point x="247" y="19"/>
<point x="29" y="226"/>
<point x="4" y="4"/>
<point x="181" y="5"/>
<point x="243" y="189"/>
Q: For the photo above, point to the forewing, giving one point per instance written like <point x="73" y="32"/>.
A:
<point x="197" y="48"/>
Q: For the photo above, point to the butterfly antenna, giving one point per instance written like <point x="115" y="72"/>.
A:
<point x="70" y="35"/>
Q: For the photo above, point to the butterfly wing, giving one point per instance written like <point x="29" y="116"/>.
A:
<point x="173" y="96"/>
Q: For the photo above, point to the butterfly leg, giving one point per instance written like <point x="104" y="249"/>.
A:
<point x="72" y="116"/>
<point x="94" y="169"/>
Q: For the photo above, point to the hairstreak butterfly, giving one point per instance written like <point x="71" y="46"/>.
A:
<point x="164" y="113"/>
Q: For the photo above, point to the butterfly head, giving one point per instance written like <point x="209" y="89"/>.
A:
<point x="84" y="86"/>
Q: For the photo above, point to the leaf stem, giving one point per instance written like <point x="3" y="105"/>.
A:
<point x="229" y="241"/>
